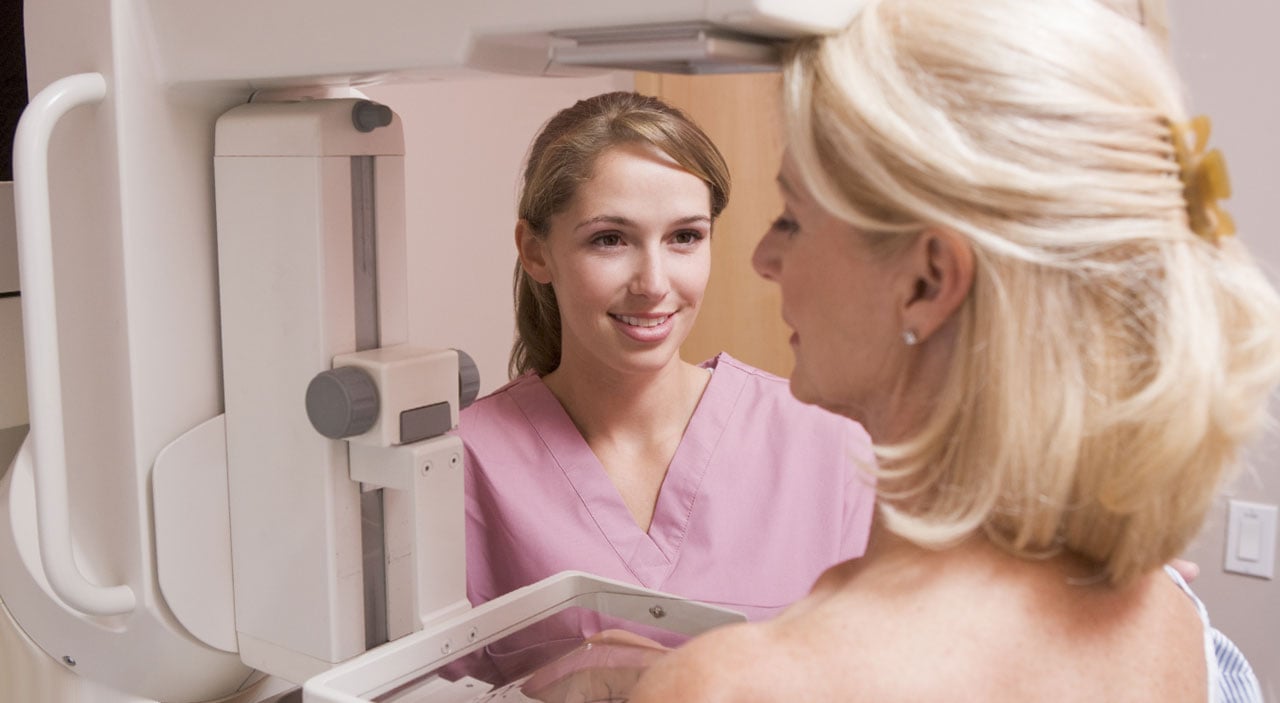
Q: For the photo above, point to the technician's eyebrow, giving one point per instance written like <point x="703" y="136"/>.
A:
<point x="610" y="219"/>
<point x="625" y="222"/>
<point x="693" y="220"/>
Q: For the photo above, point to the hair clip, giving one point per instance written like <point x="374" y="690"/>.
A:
<point x="1204" y="180"/>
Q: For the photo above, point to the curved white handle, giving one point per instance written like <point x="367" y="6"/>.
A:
<point x="40" y="323"/>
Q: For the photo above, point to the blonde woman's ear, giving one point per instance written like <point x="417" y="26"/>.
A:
<point x="532" y="251"/>
<point x="940" y="265"/>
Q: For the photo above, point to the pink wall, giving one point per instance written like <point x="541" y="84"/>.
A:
<point x="465" y="144"/>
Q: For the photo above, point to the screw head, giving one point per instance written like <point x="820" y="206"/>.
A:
<point x="657" y="612"/>
<point x="68" y="660"/>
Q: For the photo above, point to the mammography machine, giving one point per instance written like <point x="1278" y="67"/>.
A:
<point x="236" y="467"/>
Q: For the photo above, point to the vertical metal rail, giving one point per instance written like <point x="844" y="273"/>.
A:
<point x="365" y="263"/>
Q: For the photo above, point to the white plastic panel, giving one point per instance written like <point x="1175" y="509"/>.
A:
<point x="193" y="533"/>
<point x="1251" y="538"/>
<point x="407" y="660"/>
<point x="280" y="42"/>
<point x="134" y="268"/>
<point x="784" y="18"/>
<point x="288" y="307"/>
<point x="300" y="129"/>
<point x="425" y="536"/>
<point x="285" y="251"/>
<point x="154" y="658"/>
<point x="407" y="377"/>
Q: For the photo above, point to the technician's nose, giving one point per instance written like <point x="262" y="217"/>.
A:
<point x="767" y="259"/>
<point x="650" y="278"/>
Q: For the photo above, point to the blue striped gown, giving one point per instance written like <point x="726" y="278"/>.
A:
<point x="1231" y="679"/>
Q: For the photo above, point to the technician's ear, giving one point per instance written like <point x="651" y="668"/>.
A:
<point x="940" y="265"/>
<point x="532" y="250"/>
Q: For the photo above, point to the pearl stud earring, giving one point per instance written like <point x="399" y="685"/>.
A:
<point x="909" y="336"/>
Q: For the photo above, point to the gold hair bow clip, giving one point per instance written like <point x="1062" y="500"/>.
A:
<point x="1204" y="180"/>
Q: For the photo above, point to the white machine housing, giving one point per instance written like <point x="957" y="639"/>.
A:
<point x="132" y="363"/>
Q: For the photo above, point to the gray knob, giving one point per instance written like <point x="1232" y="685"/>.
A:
<point x="368" y="116"/>
<point x="342" y="402"/>
<point x="468" y="379"/>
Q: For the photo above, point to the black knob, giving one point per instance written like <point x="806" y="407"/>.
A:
<point x="368" y="115"/>
<point x="342" y="402"/>
<point x="468" y="379"/>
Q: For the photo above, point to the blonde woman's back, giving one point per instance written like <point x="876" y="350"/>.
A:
<point x="968" y="624"/>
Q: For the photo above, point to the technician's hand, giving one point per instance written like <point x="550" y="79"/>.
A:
<point x="602" y="669"/>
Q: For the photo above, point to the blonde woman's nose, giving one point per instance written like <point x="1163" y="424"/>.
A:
<point x="765" y="259"/>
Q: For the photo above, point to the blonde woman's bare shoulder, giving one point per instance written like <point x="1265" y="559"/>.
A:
<point x="714" y="667"/>
<point x="787" y="659"/>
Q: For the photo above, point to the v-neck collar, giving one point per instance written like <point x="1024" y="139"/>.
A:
<point x="650" y="556"/>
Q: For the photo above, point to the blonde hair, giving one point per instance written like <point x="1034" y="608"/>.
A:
<point x="562" y="158"/>
<point x="1109" y="362"/>
<point x="1151" y="14"/>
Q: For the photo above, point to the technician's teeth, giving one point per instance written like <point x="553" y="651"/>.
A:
<point x="643" y="322"/>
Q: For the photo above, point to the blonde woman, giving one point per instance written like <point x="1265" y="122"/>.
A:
<point x="1002" y="253"/>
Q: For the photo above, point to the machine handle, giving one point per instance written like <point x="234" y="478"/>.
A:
<point x="40" y="322"/>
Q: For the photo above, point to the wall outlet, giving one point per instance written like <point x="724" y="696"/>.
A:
<point x="1251" y="539"/>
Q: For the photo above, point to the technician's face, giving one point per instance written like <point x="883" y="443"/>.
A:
<point x="629" y="261"/>
<point x="836" y="296"/>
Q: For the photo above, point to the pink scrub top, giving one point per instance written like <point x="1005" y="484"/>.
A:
<point x="762" y="495"/>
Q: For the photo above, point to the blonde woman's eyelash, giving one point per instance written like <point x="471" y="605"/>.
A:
<point x="785" y="224"/>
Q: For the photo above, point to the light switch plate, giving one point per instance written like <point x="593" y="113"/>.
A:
<point x="1251" y="538"/>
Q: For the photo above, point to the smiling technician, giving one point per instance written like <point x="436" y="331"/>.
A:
<point x="608" y="453"/>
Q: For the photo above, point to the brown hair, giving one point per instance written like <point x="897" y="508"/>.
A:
<point x="562" y="157"/>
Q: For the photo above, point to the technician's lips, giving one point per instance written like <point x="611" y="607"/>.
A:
<point x="643" y="321"/>
<point x="647" y="328"/>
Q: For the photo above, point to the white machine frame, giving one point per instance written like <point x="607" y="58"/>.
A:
<point x="135" y="329"/>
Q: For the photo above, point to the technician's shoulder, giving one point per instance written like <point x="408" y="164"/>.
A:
<point x="496" y="414"/>
<point x="770" y="396"/>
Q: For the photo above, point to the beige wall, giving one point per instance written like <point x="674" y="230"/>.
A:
<point x="1228" y="54"/>
<point x="13" y="375"/>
